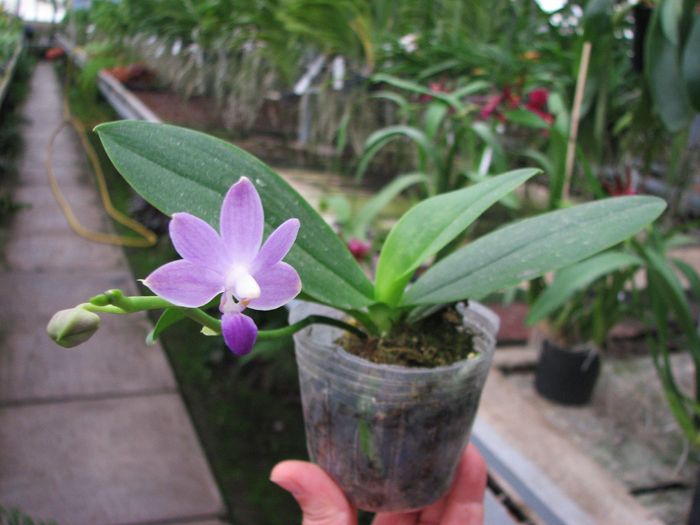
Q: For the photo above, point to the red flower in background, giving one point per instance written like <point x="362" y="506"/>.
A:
<point x="436" y="87"/>
<point x="493" y="103"/>
<point x="618" y="184"/>
<point x="537" y="103"/>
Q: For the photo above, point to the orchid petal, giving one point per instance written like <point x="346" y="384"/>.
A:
<point x="239" y="332"/>
<point x="184" y="283"/>
<point x="242" y="222"/>
<point x="277" y="245"/>
<point x="198" y="242"/>
<point x="279" y="284"/>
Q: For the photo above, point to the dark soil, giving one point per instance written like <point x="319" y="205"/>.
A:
<point x="438" y="340"/>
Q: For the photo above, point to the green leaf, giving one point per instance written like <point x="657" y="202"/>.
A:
<point x="540" y="158"/>
<point x="438" y="68"/>
<point x="485" y="133"/>
<point x="691" y="63"/>
<point x="397" y="99"/>
<point x="413" y="87"/>
<point x="691" y="276"/>
<point x="178" y="170"/>
<point x="532" y="247"/>
<point x="433" y="118"/>
<point x="431" y="225"/>
<point x="526" y="118"/>
<point x="671" y="12"/>
<point x="574" y="278"/>
<point x="380" y="138"/>
<point x="376" y="204"/>
<point x="663" y="71"/>
<point x="471" y="88"/>
<point x="670" y="288"/>
<point x="167" y="319"/>
<point x="339" y="206"/>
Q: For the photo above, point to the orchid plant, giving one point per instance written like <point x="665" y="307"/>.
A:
<point x="203" y="182"/>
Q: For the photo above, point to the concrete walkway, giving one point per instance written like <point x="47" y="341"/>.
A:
<point x="97" y="434"/>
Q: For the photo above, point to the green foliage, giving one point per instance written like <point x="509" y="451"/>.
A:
<point x="532" y="247"/>
<point x="670" y="303"/>
<point x="180" y="170"/>
<point x="665" y="48"/>
<point x="16" y="517"/>
<point x="431" y="225"/>
<point x="582" y="303"/>
<point x="10" y="38"/>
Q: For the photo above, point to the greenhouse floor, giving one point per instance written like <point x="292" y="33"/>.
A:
<point x="97" y="434"/>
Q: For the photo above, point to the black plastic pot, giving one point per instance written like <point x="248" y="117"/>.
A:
<point x="567" y="375"/>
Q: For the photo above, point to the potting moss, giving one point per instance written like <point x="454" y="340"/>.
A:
<point x="438" y="340"/>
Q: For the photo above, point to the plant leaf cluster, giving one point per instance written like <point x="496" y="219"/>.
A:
<point x="181" y="170"/>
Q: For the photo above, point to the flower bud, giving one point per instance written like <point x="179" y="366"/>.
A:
<point x="73" y="326"/>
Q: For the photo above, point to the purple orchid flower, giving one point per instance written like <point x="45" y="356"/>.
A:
<point x="232" y="264"/>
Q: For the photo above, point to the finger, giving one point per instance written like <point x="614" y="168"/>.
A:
<point x="321" y="500"/>
<point x="395" y="518"/>
<point x="465" y="502"/>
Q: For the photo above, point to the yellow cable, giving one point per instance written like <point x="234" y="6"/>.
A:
<point x="148" y="238"/>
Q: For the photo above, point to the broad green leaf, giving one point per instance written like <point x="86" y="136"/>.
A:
<point x="663" y="71"/>
<point x="380" y="138"/>
<point x="691" y="63"/>
<point x="177" y="170"/>
<point x="509" y="201"/>
<point x="671" y="12"/>
<point x="533" y="247"/>
<point x="576" y="277"/>
<point x="168" y="318"/>
<point x="431" y="225"/>
<point x="366" y="215"/>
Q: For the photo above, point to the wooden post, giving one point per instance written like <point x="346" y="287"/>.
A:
<point x="575" y="117"/>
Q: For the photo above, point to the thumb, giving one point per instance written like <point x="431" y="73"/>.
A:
<point x="321" y="500"/>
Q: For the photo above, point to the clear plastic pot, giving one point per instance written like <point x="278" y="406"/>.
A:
<point x="390" y="436"/>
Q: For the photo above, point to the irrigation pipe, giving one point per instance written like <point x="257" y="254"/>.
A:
<point x="575" y="118"/>
<point x="146" y="239"/>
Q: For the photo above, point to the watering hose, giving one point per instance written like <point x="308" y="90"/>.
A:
<point x="147" y="237"/>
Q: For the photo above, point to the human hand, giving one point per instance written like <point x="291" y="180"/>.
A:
<point x="323" y="503"/>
